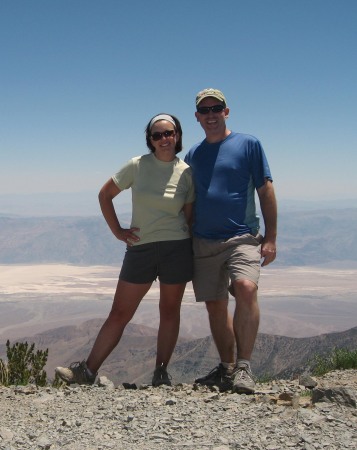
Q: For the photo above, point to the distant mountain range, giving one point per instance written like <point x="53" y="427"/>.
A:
<point x="72" y="240"/>
<point x="134" y="358"/>
<point x="85" y="203"/>
<point x="304" y="238"/>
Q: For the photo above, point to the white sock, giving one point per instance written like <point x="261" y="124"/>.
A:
<point x="243" y="361"/>
<point x="226" y="365"/>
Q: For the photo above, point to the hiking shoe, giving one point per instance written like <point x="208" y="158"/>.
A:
<point x="220" y="377"/>
<point x="75" y="373"/>
<point x="243" y="381"/>
<point x="161" y="377"/>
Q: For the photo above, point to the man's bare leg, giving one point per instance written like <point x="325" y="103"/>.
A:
<point x="221" y="324"/>
<point x="246" y="317"/>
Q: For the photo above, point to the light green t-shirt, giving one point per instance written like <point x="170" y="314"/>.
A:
<point x="159" y="191"/>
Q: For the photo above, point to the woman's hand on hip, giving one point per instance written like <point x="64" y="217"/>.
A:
<point x="128" y="236"/>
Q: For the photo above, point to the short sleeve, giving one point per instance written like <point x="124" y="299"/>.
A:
<point x="190" y="197"/>
<point x="259" y="164"/>
<point x="125" y="177"/>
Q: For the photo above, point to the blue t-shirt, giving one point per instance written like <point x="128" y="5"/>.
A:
<point x="226" y="175"/>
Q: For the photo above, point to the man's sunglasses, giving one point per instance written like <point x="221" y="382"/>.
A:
<point x="207" y="109"/>
<point x="157" y="135"/>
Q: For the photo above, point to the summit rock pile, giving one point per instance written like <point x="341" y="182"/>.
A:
<point x="305" y="413"/>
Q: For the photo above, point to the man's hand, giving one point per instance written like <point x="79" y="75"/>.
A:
<point x="269" y="210"/>
<point x="268" y="252"/>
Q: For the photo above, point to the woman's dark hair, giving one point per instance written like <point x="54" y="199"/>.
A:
<point x="178" y="128"/>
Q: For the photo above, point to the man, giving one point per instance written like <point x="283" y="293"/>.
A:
<point x="228" y="168"/>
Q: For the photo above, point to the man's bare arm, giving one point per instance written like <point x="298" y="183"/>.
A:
<point x="268" y="207"/>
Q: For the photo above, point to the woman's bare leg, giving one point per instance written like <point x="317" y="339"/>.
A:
<point x="170" y="307"/>
<point x="126" y="301"/>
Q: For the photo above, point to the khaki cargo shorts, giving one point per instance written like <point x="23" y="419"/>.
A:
<point x="216" y="261"/>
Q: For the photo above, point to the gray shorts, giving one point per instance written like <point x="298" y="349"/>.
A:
<point x="170" y="261"/>
<point x="218" y="260"/>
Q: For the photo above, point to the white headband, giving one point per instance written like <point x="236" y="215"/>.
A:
<point x="162" y="117"/>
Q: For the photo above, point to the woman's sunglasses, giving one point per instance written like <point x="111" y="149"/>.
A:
<point x="157" y="135"/>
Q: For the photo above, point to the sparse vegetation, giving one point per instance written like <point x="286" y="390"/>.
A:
<point x="24" y="365"/>
<point x="338" y="359"/>
<point x="264" y="378"/>
<point x="306" y="393"/>
<point x="4" y="374"/>
<point x="58" y="383"/>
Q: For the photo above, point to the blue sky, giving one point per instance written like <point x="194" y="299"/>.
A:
<point x="79" y="80"/>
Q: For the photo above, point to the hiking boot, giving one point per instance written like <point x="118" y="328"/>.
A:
<point x="161" y="377"/>
<point x="75" y="373"/>
<point x="220" y="377"/>
<point x="243" y="381"/>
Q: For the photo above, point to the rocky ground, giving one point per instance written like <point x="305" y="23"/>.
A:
<point x="309" y="414"/>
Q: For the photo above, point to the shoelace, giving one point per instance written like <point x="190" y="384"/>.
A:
<point x="216" y="369"/>
<point x="244" y="373"/>
<point x="76" y="364"/>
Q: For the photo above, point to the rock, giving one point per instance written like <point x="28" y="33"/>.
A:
<point x="340" y="395"/>
<point x="44" y="442"/>
<point x="295" y="401"/>
<point x="306" y="380"/>
<point x="129" y="386"/>
<point x="6" y="434"/>
<point x="104" y="382"/>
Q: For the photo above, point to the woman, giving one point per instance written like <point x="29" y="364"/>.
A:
<point x="158" y="246"/>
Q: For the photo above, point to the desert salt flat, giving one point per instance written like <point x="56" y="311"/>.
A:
<point x="308" y="280"/>
<point x="58" y="278"/>
<point x="68" y="279"/>
<point x="295" y="301"/>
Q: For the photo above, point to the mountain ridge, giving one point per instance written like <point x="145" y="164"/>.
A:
<point x="133" y="359"/>
<point x="305" y="238"/>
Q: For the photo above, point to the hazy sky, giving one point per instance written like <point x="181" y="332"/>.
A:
<point x="80" y="79"/>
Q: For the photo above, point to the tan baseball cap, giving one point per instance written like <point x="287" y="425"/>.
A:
<point x="210" y="92"/>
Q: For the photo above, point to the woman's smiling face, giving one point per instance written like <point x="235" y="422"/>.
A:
<point x="166" y="142"/>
